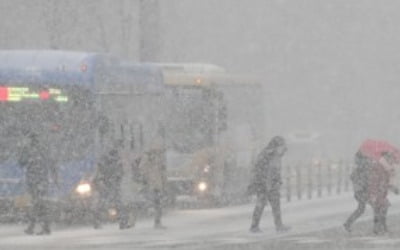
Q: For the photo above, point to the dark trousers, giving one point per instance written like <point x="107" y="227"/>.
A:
<point x="380" y="213"/>
<point x="356" y="214"/>
<point x="157" y="203"/>
<point x="152" y="198"/>
<point x="273" y="197"/>
<point x="39" y="209"/>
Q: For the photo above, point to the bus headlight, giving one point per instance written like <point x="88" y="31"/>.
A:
<point x="84" y="189"/>
<point x="112" y="212"/>
<point x="202" y="186"/>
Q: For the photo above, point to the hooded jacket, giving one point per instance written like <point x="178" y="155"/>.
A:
<point x="267" y="168"/>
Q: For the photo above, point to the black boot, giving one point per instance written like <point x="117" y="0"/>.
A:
<point x="255" y="229"/>
<point x="45" y="230"/>
<point x="282" y="228"/>
<point x="158" y="225"/>
<point x="124" y="224"/>
<point x="378" y="229"/>
<point x="30" y="229"/>
<point x="347" y="227"/>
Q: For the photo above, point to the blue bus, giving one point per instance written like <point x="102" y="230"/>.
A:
<point x="77" y="102"/>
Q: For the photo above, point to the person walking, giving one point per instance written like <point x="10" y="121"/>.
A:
<point x="360" y="180"/>
<point x="153" y="168"/>
<point x="372" y="181"/>
<point x="38" y="172"/>
<point x="107" y="184"/>
<point x="267" y="182"/>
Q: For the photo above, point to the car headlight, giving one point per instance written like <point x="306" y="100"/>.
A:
<point x="202" y="186"/>
<point x="84" y="189"/>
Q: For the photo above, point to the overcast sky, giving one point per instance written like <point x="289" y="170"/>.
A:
<point x="329" y="66"/>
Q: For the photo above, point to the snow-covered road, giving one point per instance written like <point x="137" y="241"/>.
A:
<point x="203" y="229"/>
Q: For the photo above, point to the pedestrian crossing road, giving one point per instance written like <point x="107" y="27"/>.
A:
<point x="316" y="224"/>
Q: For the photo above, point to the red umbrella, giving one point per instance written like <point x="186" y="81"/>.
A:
<point x="375" y="148"/>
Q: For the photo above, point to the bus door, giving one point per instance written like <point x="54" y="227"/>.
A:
<point x="131" y="140"/>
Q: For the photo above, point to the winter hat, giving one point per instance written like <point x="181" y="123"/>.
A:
<point x="276" y="141"/>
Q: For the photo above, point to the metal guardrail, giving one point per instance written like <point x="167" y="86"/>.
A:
<point x="315" y="180"/>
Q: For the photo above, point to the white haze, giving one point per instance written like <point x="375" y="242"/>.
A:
<point x="329" y="68"/>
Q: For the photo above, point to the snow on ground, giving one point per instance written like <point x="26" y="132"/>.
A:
<point x="200" y="229"/>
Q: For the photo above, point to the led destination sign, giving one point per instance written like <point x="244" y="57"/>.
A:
<point x="17" y="94"/>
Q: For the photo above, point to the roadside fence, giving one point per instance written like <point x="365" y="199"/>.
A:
<point x="315" y="179"/>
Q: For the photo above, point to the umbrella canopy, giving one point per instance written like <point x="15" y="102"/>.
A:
<point x="375" y="148"/>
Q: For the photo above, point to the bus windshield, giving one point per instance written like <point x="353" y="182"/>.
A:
<point x="192" y="121"/>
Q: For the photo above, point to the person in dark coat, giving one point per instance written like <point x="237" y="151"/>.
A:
<point x="107" y="184"/>
<point x="359" y="178"/>
<point x="153" y="167"/>
<point x="371" y="183"/>
<point x="267" y="182"/>
<point x="38" y="171"/>
<point x="378" y="190"/>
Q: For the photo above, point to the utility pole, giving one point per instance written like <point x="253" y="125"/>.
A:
<point x="149" y="28"/>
